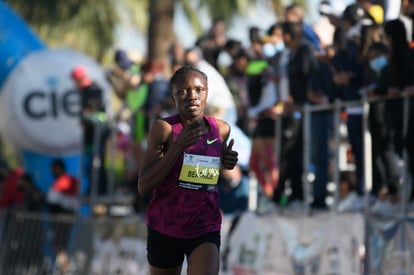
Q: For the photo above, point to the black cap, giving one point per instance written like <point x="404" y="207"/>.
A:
<point x="121" y="58"/>
<point x="354" y="13"/>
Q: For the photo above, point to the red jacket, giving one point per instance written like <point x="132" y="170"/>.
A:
<point x="66" y="184"/>
<point x="11" y="194"/>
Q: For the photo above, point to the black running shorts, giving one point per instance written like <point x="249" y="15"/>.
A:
<point x="167" y="252"/>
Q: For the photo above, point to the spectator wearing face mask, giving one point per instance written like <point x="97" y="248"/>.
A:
<point x="347" y="75"/>
<point x="274" y="44"/>
<point x="386" y="174"/>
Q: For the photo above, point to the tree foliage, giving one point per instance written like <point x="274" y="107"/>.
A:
<point x="88" y="25"/>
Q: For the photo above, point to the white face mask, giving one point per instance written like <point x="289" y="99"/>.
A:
<point x="378" y="63"/>
<point x="270" y="50"/>
<point x="280" y="46"/>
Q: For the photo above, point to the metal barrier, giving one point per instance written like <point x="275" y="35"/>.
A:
<point x="39" y="243"/>
<point x="43" y="244"/>
<point x="111" y="245"/>
<point x="34" y="243"/>
<point x="336" y="107"/>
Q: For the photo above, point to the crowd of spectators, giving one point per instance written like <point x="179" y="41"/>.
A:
<point x="352" y="53"/>
<point x="355" y="53"/>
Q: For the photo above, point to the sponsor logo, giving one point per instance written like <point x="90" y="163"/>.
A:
<point x="211" y="141"/>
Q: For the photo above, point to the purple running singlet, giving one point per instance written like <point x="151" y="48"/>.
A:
<point x="186" y="204"/>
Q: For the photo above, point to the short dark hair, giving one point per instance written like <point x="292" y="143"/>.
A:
<point x="348" y="177"/>
<point x="218" y="20"/>
<point x="232" y="43"/>
<point x="58" y="163"/>
<point x="179" y="74"/>
<point x="27" y="177"/>
<point x="254" y="34"/>
<point x="295" y="30"/>
<point x="273" y="27"/>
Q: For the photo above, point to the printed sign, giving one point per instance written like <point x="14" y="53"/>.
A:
<point x="39" y="103"/>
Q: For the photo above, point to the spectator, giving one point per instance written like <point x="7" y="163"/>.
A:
<point x="400" y="54"/>
<point x="374" y="10"/>
<point x="157" y="104"/>
<point x="34" y="199"/>
<point x="408" y="137"/>
<point x="386" y="173"/>
<point x="255" y="49"/>
<point x="95" y="130"/>
<point x="407" y="17"/>
<point x="233" y="186"/>
<point x="348" y="78"/>
<point x="124" y="75"/>
<point x="11" y="196"/>
<point x="295" y="13"/>
<point x="262" y="98"/>
<point x="236" y="79"/>
<point x="230" y="50"/>
<point x="346" y="184"/>
<point x="348" y="198"/>
<point x="176" y="55"/>
<point x="330" y="14"/>
<point x="274" y="43"/>
<point x="402" y="70"/>
<point x="4" y="167"/>
<point x="158" y="87"/>
<point x="212" y="43"/>
<point x="321" y="93"/>
<point x="63" y="195"/>
<point x="23" y="235"/>
<point x="301" y="67"/>
<point x="62" y="198"/>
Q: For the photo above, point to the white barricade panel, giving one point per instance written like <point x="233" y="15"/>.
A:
<point x="324" y="243"/>
<point x="119" y="247"/>
<point x="391" y="246"/>
<point x="273" y="244"/>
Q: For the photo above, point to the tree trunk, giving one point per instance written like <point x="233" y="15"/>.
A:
<point x="160" y="31"/>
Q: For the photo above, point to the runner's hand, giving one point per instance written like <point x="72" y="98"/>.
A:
<point x="229" y="156"/>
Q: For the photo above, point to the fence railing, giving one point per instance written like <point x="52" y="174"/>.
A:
<point x="336" y="107"/>
<point x="43" y="244"/>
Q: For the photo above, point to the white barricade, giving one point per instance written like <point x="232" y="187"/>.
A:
<point x="289" y="243"/>
<point x="324" y="243"/>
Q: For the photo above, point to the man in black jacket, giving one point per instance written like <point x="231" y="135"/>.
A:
<point x="95" y="133"/>
<point x="301" y="67"/>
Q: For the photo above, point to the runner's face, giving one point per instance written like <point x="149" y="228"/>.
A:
<point x="190" y="95"/>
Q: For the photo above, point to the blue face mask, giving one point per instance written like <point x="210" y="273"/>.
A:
<point x="377" y="64"/>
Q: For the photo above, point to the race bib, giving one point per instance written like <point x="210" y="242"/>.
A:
<point x="199" y="172"/>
